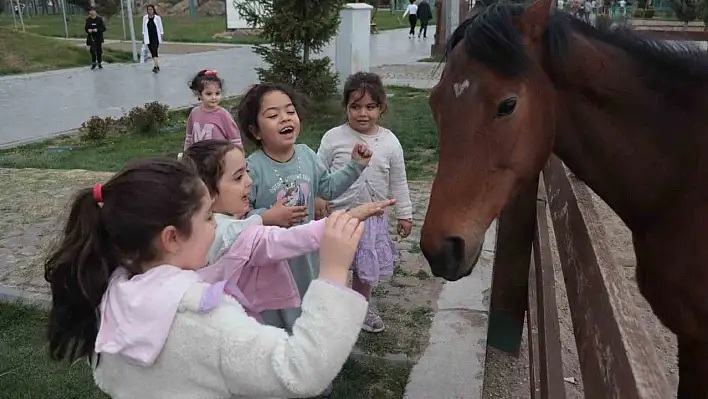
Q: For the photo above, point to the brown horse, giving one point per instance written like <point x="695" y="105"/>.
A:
<point x="625" y="114"/>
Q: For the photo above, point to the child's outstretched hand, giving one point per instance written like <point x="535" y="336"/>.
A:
<point x="362" y="153"/>
<point x="339" y="243"/>
<point x="283" y="216"/>
<point x="404" y="227"/>
<point x="322" y="208"/>
<point x="365" y="211"/>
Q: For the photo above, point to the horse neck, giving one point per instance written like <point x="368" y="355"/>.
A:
<point x="612" y="133"/>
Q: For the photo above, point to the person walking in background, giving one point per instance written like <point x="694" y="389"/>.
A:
<point x="152" y="34"/>
<point x="412" y="13"/>
<point x="424" y="14"/>
<point x="94" y="28"/>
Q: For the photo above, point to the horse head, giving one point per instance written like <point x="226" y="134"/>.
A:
<point x="494" y="110"/>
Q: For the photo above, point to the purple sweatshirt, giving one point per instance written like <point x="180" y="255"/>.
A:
<point x="217" y="124"/>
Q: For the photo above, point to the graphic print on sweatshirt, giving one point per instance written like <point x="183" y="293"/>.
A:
<point x="202" y="132"/>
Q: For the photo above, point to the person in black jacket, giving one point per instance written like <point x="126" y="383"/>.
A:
<point x="94" y="28"/>
<point x="425" y="14"/>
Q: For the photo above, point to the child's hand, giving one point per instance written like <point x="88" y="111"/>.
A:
<point x="283" y="216"/>
<point x="322" y="208"/>
<point x="339" y="243"/>
<point x="362" y="153"/>
<point x="404" y="227"/>
<point x="365" y="211"/>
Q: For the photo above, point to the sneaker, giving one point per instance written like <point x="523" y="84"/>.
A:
<point x="93" y="66"/>
<point x="158" y="68"/>
<point x="373" y="323"/>
<point x="100" y="66"/>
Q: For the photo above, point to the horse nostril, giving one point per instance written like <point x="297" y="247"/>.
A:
<point x="453" y="253"/>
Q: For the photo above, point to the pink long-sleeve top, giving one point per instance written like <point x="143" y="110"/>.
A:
<point x="217" y="124"/>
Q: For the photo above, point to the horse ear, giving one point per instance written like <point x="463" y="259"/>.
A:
<point x="534" y="20"/>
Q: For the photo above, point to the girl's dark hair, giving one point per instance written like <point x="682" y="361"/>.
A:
<point x="250" y="107"/>
<point x="136" y="204"/>
<point x="208" y="157"/>
<point x="202" y="78"/>
<point x="154" y="9"/>
<point x="361" y="83"/>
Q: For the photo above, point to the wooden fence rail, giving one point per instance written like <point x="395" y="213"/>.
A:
<point x="617" y="358"/>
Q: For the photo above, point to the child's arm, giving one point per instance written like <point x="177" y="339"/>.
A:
<point x="231" y="131"/>
<point x="264" y="361"/>
<point x="398" y="184"/>
<point x="101" y="25"/>
<point x="277" y="243"/>
<point x="189" y="139"/>
<point x="332" y="185"/>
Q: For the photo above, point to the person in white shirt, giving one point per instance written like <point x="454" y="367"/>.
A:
<point x="152" y="34"/>
<point x="127" y="296"/>
<point x="412" y="13"/>
<point x="365" y="99"/>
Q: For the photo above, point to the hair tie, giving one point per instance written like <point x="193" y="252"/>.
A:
<point x="98" y="193"/>
<point x="211" y="73"/>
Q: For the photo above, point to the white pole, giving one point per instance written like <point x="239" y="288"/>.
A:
<point x="131" y="23"/>
<point x="22" y="21"/>
<point x="122" y="18"/>
<point x="63" y="15"/>
<point x="14" y="17"/>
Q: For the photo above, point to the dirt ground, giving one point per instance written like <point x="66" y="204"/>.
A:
<point x="508" y="377"/>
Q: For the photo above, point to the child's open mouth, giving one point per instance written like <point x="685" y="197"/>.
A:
<point x="287" y="130"/>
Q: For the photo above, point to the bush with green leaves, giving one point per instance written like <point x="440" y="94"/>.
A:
<point x="147" y="119"/>
<point x="95" y="129"/>
<point x="295" y="29"/>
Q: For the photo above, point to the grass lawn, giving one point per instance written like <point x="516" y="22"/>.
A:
<point x="408" y="116"/>
<point x="27" y="372"/>
<point x="177" y="28"/>
<point x="24" y="52"/>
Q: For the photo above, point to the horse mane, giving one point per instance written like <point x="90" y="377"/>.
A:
<point x="491" y="38"/>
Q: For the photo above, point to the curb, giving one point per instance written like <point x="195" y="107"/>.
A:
<point x="14" y="296"/>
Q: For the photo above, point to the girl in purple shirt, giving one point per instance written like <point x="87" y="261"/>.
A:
<point x="209" y="120"/>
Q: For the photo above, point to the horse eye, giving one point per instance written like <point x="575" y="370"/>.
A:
<point x="506" y="107"/>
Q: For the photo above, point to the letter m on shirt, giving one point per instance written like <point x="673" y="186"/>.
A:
<point x="202" y="132"/>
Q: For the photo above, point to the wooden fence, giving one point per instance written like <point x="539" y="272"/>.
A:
<point x="617" y="358"/>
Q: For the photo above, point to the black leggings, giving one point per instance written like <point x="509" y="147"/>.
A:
<point x="423" y="28"/>
<point x="412" y="19"/>
<point x="96" y="49"/>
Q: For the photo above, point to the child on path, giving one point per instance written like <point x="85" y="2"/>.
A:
<point x="209" y="120"/>
<point x="249" y="257"/>
<point x="287" y="176"/>
<point x="364" y="99"/>
<point x="126" y="295"/>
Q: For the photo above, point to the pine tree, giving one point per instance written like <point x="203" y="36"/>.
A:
<point x="295" y="29"/>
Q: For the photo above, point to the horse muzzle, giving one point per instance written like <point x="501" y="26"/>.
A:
<point x="455" y="259"/>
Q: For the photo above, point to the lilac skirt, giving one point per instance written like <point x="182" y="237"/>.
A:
<point x="376" y="254"/>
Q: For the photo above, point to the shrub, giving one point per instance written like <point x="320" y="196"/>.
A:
<point x="94" y="129"/>
<point x="148" y="118"/>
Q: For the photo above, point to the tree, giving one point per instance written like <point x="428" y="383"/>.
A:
<point x="296" y="29"/>
<point x="105" y="8"/>
<point x="685" y="10"/>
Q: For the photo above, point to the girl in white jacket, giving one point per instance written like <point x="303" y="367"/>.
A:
<point x="125" y="295"/>
<point x="152" y="34"/>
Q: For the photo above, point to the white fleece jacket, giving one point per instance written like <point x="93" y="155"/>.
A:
<point x="223" y="353"/>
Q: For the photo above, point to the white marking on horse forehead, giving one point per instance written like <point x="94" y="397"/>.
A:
<point x="460" y="87"/>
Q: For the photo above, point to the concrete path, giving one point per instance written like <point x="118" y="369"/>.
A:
<point x="40" y="105"/>
<point x="452" y="366"/>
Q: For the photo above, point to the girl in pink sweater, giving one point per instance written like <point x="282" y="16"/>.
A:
<point x="209" y="120"/>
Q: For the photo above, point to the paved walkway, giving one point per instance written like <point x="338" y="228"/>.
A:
<point x="39" y="105"/>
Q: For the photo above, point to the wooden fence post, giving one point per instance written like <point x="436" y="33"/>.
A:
<point x="509" y="298"/>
